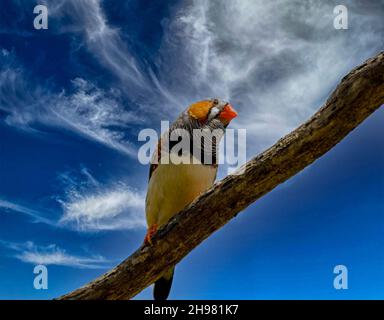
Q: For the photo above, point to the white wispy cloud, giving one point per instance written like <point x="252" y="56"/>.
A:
<point x="106" y="44"/>
<point x="95" y="114"/>
<point x="29" y="252"/>
<point x="275" y="61"/>
<point x="88" y="205"/>
<point x="36" y="216"/>
<point x="88" y="111"/>
<point x="114" y="209"/>
<point x="92" y="206"/>
<point x="104" y="41"/>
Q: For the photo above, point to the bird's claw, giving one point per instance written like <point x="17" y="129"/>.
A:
<point x="150" y="233"/>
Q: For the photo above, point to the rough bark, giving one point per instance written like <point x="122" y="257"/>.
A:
<point x="358" y="95"/>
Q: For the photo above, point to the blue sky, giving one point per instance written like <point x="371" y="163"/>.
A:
<point x="74" y="97"/>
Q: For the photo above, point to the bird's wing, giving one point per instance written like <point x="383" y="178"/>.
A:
<point x="157" y="153"/>
<point x="155" y="159"/>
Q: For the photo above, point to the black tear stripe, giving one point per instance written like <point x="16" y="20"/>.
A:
<point x="208" y="157"/>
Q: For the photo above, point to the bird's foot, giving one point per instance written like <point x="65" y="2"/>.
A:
<point x="150" y="233"/>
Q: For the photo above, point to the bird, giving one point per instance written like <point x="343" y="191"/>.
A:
<point x="172" y="186"/>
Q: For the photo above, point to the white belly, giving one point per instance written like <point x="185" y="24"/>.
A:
<point x="172" y="187"/>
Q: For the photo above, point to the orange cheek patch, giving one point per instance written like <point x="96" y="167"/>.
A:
<point x="200" y="110"/>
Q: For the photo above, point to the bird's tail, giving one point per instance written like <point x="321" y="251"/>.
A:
<point x="163" y="285"/>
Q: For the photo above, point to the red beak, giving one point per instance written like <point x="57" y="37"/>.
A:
<point x="228" y="113"/>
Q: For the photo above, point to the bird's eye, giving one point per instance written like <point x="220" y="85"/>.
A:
<point x="215" y="101"/>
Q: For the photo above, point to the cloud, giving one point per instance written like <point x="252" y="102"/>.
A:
<point x="95" y="114"/>
<point x="29" y="252"/>
<point x="114" y="52"/>
<point x="275" y="61"/>
<point x="89" y="111"/>
<point x="35" y="215"/>
<point x="100" y="115"/>
<point x="88" y="18"/>
<point x="91" y="206"/>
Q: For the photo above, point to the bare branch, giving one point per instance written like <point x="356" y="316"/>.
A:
<point x="358" y="95"/>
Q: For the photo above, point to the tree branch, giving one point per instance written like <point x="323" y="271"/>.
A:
<point x="358" y="95"/>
